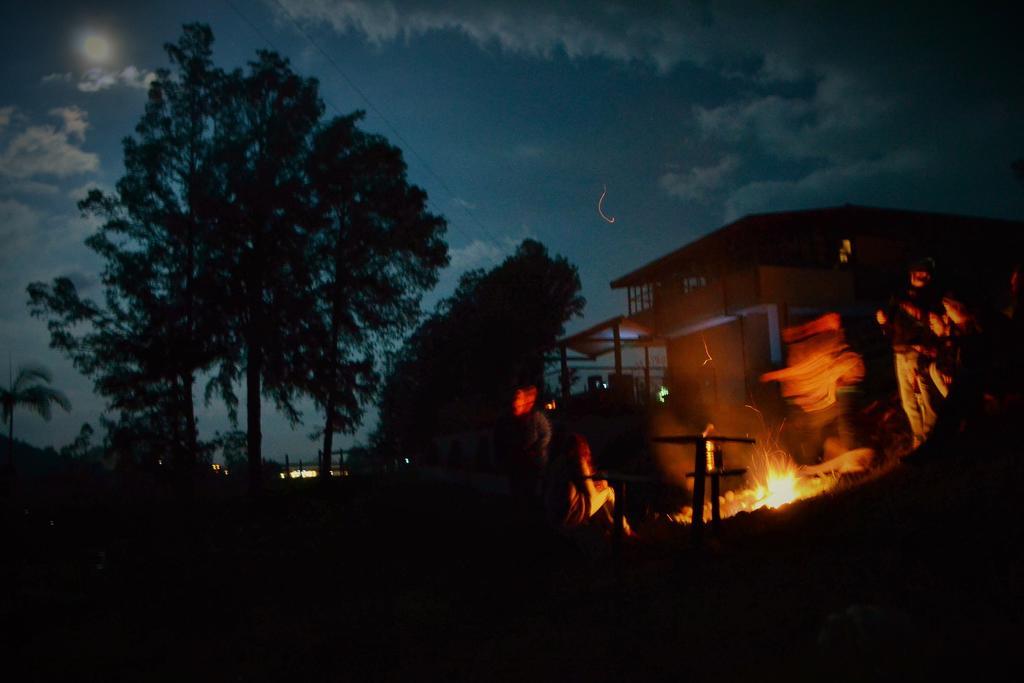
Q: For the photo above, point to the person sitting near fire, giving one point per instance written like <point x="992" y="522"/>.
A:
<point x="521" y="440"/>
<point x="573" y="500"/>
<point x="820" y="371"/>
<point x="906" y="323"/>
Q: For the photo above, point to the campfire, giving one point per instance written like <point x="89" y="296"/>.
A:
<point x="774" y="480"/>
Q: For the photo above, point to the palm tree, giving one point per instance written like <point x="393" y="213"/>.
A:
<point x="29" y="389"/>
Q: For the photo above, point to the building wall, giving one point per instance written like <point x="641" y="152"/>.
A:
<point x="735" y="293"/>
<point x="806" y="287"/>
<point x="706" y="389"/>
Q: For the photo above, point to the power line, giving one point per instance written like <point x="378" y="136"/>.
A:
<point x="372" y="107"/>
<point x="387" y="122"/>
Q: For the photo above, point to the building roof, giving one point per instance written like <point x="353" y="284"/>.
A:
<point x="600" y="338"/>
<point x="920" y="227"/>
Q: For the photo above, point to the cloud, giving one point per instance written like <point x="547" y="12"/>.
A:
<point x="5" y="117"/>
<point x="98" y="78"/>
<point x="479" y="254"/>
<point x="701" y="182"/>
<point x="755" y="40"/>
<point x="58" y="77"/>
<point x="18" y="224"/>
<point x="839" y="121"/>
<point x="837" y="184"/>
<point x="462" y="203"/>
<point x="30" y="187"/>
<point x="662" y="35"/>
<point x="49" y="150"/>
<point x="75" y="121"/>
<point x="82" y="191"/>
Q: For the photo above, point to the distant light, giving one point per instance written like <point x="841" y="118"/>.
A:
<point x="550" y="405"/>
<point x="301" y="473"/>
<point x="845" y="250"/>
<point x="407" y="461"/>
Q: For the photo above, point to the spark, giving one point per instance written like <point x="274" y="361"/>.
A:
<point x="707" y="353"/>
<point x="599" y="202"/>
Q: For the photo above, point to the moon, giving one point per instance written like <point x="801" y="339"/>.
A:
<point x="96" y="48"/>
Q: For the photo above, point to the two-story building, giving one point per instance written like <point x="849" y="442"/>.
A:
<point x="717" y="305"/>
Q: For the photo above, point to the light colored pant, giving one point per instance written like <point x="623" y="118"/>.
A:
<point x="918" y="394"/>
<point x="937" y="379"/>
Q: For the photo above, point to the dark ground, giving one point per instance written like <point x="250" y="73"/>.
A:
<point x="909" y="575"/>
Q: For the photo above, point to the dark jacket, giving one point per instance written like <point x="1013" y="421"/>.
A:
<point x="908" y="318"/>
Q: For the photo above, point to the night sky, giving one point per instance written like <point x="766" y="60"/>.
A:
<point x="516" y="115"/>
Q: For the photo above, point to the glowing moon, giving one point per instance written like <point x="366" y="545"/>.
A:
<point x="96" y="48"/>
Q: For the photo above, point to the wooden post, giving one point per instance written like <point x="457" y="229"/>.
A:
<point x="716" y="516"/>
<point x="699" y="469"/>
<point x="620" y="509"/>
<point x="566" y="389"/>
<point x="647" y="375"/>
<point x="618" y="349"/>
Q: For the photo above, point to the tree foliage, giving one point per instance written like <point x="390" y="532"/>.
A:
<point x="29" y="389"/>
<point x="491" y="333"/>
<point x="375" y="251"/>
<point x="145" y="343"/>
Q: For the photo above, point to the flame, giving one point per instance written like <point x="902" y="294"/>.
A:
<point x="779" y="490"/>
<point x="774" y="480"/>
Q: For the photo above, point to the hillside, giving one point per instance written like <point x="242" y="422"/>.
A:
<point x="29" y="460"/>
<point x="897" y="577"/>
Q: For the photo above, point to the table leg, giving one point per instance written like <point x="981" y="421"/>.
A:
<point x="716" y="516"/>
<point x="620" y="509"/>
<point x="699" y="468"/>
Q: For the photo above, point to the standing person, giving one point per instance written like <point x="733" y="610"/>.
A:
<point x="906" y="322"/>
<point x="981" y="373"/>
<point x="943" y="366"/>
<point x="821" y="371"/>
<point x="521" y="439"/>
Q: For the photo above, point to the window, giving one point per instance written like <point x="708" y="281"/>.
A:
<point x="640" y="299"/>
<point x="845" y="251"/>
<point x="692" y="282"/>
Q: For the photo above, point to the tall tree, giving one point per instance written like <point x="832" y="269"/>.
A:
<point x="264" y="282"/>
<point x="376" y="249"/>
<point x="145" y="344"/>
<point x="491" y="333"/>
<point x="29" y="390"/>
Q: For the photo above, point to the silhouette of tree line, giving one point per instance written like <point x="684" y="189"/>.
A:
<point x="455" y="371"/>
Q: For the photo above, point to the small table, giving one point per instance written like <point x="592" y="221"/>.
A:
<point x="700" y="471"/>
